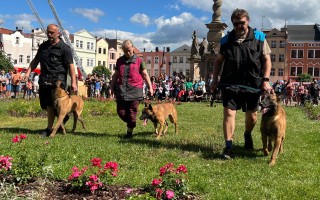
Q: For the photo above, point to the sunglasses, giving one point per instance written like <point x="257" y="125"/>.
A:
<point x="239" y="23"/>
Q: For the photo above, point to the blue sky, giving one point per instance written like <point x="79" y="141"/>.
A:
<point x="154" y="23"/>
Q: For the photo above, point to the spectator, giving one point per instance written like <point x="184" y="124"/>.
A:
<point x="16" y="78"/>
<point x="290" y="91"/>
<point x="35" y="84"/>
<point x="3" y="84"/>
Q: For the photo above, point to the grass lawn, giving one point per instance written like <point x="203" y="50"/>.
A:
<point x="197" y="146"/>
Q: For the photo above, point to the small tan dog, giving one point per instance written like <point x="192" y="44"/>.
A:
<point x="158" y="114"/>
<point x="65" y="104"/>
<point x="273" y="126"/>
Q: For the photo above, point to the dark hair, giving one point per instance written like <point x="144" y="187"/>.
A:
<point x="239" y="13"/>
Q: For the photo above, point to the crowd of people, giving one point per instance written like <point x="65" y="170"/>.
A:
<point x="292" y="93"/>
<point x="13" y="84"/>
<point x="173" y="88"/>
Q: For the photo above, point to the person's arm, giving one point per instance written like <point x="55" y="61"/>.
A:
<point x="73" y="77"/>
<point x="113" y="82"/>
<point x="146" y="77"/>
<point x="34" y="63"/>
<point x="266" y="72"/>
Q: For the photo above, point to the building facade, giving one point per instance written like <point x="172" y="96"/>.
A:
<point x="277" y="40"/>
<point x="180" y="60"/>
<point x="303" y="51"/>
<point x="157" y="62"/>
<point x="102" y="52"/>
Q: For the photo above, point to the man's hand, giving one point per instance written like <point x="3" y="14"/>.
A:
<point x="266" y="86"/>
<point x="151" y="91"/>
<point x="74" y="87"/>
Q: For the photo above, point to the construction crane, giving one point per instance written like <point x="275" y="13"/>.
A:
<point x="67" y="40"/>
<point x="64" y="34"/>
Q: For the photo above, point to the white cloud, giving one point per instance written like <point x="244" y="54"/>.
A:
<point x="91" y="14"/>
<point x="140" y="18"/>
<point x="174" y="6"/>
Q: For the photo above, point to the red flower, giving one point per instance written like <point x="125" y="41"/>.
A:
<point x="23" y="136"/>
<point x="156" y="182"/>
<point x="181" y="168"/>
<point x="159" y="193"/>
<point x="169" y="194"/>
<point x="166" y="169"/>
<point x="96" y="162"/>
<point x="16" y="139"/>
<point x="5" y="162"/>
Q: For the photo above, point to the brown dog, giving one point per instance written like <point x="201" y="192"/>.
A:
<point x="65" y="104"/>
<point x="158" y="114"/>
<point x="273" y="126"/>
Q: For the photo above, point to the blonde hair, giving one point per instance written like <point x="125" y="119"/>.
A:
<point x="127" y="43"/>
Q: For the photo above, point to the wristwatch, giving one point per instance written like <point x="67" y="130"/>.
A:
<point x="265" y="79"/>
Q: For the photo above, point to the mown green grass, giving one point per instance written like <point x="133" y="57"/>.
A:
<point x="197" y="146"/>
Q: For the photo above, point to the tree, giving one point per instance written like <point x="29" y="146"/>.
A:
<point x="304" y="77"/>
<point x="5" y="62"/>
<point x="99" y="70"/>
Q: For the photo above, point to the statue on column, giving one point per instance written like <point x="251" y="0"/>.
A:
<point x="216" y="17"/>
<point x="195" y="45"/>
<point x="203" y="47"/>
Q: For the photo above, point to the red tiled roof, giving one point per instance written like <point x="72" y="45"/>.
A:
<point x="6" y="31"/>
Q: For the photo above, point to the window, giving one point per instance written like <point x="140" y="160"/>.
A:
<point x="91" y="46"/>
<point x="9" y="56"/>
<point x="174" y="59"/>
<point x="20" y="58"/>
<point x="295" y="71"/>
<point x="99" y="50"/>
<point x="297" y="53"/>
<point x="187" y="72"/>
<point x="81" y="45"/>
<point x="282" y="44"/>
<point x="104" y="51"/>
<point x="156" y="59"/>
<point x="272" y="72"/>
<point x="91" y="62"/>
<point x="313" y="53"/>
<point x="104" y="63"/>
<point x="77" y="44"/>
<point x="15" y="61"/>
<point x="110" y="67"/>
<point x="99" y="63"/>
<point x="156" y="72"/>
<point x="88" y="62"/>
<point x="28" y="59"/>
<point x="313" y="71"/>
<point x="281" y="57"/>
<point x="273" y="58"/>
<point x="148" y="61"/>
<point x="88" y="45"/>
<point x="112" y="56"/>
<point x="80" y="60"/>
<point x="17" y="40"/>
<point x="280" y="72"/>
<point x="273" y="44"/>
<point x="180" y="59"/>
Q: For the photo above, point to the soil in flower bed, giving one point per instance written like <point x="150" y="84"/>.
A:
<point x="61" y="190"/>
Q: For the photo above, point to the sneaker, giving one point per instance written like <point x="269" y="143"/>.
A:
<point x="46" y="132"/>
<point x="248" y="142"/>
<point x="227" y="154"/>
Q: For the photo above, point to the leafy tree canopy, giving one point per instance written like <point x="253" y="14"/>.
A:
<point x="99" y="70"/>
<point x="5" y="62"/>
<point x="304" y="77"/>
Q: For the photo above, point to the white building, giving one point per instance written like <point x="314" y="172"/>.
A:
<point x="179" y="60"/>
<point x="84" y="44"/>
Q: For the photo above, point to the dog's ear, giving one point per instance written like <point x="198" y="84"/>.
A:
<point x="145" y="104"/>
<point x="150" y="107"/>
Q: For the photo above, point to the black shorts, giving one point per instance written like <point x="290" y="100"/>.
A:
<point x="45" y="96"/>
<point x="240" y="100"/>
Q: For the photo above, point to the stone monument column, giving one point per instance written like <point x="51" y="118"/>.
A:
<point x="216" y="27"/>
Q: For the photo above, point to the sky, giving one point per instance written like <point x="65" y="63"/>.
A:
<point x="154" y="23"/>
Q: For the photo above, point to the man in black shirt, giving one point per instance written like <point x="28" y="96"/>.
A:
<point x="55" y="58"/>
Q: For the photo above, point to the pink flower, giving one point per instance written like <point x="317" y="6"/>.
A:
<point x="93" y="177"/>
<point x="159" y="193"/>
<point x="129" y="190"/>
<point x="169" y="194"/>
<point x="96" y="162"/>
<point x="182" y="168"/>
<point x="76" y="173"/>
<point x="156" y="182"/>
<point x="23" y="136"/>
<point x="16" y="139"/>
<point x="5" y="162"/>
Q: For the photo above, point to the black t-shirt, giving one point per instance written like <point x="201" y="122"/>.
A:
<point x="54" y="61"/>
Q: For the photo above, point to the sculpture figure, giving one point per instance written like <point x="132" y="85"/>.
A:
<point x="216" y="17"/>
